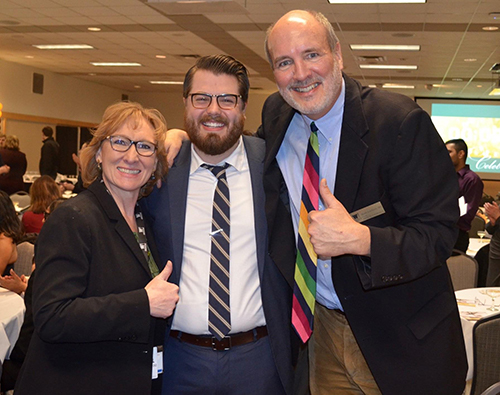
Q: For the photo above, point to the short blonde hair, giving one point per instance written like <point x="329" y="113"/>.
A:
<point x="11" y="142"/>
<point x="114" y="117"/>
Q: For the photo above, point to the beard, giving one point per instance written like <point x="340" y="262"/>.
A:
<point x="332" y="84"/>
<point x="213" y="143"/>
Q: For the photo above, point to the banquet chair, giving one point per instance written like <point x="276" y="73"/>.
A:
<point x="477" y="224"/>
<point x="493" y="390"/>
<point x="24" y="262"/>
<point x="486" y="347"/>
<point x="22" y="198"/>
<point x="463" y="270"/>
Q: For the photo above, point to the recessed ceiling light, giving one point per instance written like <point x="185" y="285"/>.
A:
<point x="479" y="86"/>
<point x="94" y="29"/>
<point x="64" y="46"/>
<point x="137" y="86"/>
<point x="166" y="82"/>
<point x="29" y="56"/>
<point x="457" y="79"/>
<point x="470" y="60"/>
<point x="448" y="93"/>
<point x="161" y="56"/>
<point x="92" y="74"/>
<point x="490" y="28"/>
<point x="376" y="1"/>
<point x="369" y="47"/>
<point x="439" y="86"/>
<point x="388" y="66"/>
<point x="372" y="86"/>
<point x="116" y="64"/>
<point x="398" y="86"/>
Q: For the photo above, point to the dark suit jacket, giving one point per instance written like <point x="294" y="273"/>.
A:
<point x="167" y="210"/>
<point x="93" y="331"/>
<point x="399" y="302"/>
<point x="12" y="182"/>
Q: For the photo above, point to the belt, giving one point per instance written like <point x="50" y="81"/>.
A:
<point x="225" y="343"/>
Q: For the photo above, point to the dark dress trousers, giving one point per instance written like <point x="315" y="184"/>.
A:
<point x="399" y="302"/>
<point x="93" y="331"/>
<point x="167" y="211"/>
<point x="12" y="182"/>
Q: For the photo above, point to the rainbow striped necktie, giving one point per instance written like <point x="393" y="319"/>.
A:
<point x="304" y="290"/>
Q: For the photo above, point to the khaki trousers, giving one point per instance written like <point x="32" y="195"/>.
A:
<point x="336" y="363"/>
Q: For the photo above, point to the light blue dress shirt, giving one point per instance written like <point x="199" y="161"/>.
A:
<point x="291" y="158"/>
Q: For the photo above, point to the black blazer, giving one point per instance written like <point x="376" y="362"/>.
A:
<point x="399" y="302"/>
<point x="93" y="331"/>
<point x="167" y="211"/>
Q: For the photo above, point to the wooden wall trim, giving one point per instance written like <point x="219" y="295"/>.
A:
<point x="38" y="119"/>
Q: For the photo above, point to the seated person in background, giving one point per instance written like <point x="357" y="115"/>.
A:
<point x="12" y="366"/>
<point x="471" y="189"/>
<point x="493" y="213"/>
<point x="78" y="187"/>
<point x="11" y="232"/>
<point x="43" y="192"/>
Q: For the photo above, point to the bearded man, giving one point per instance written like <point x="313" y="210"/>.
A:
<point x="230" y="332"/>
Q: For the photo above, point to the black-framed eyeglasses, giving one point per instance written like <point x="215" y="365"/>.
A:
<point x="226" y="101"/>
<point x="123" y="144"/>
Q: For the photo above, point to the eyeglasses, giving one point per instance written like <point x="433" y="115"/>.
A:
<point x="226" y="101"/>
<point x="123" y="144"/>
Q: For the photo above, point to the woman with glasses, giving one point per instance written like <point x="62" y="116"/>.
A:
<point x="101" y="296"/>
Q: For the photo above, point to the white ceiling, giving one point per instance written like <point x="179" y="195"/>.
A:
<point x="448" y="31"/>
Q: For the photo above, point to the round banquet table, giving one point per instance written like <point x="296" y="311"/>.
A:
<point x="11" y="318"/>
<point x="473" y="305"/>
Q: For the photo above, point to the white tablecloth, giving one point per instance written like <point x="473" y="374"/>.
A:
<point x="11" y="318"/>
<point x="473" y="305"/>
<point x="476" y="244"/>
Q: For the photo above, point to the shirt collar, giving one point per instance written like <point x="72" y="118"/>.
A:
<point x="236" y="159"/>
<point x="463" y="170"/>
<point x="331" y="117"/>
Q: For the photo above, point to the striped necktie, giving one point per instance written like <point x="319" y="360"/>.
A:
<point x="219" y="313"/>
<point x="304" y="291"/>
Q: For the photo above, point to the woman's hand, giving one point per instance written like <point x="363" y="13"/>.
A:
<point x="14" y="283"/>
<point x="492" y="211"/>
<point x="163" y="296"/>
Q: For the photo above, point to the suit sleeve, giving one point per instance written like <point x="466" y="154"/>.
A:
<point x="64" y="309"/>
<point x="422" y="191"/>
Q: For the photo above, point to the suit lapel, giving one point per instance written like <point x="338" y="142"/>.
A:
<point x="121" y="227"/>
<point x="177" y="182"/>
<point x="277" y="126"/>
<point x="255" y="154"/>
<point x="353" y="149"/>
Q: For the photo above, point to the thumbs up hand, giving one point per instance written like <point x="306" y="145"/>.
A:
<point x="162" y="295"/>
<point x="333" y="232"/>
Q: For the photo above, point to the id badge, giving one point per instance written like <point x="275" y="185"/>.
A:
<point x="157" y="361"/>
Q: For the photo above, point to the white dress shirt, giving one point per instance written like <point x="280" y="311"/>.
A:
<point x="291" y="158"/>
<point x="191" y="313"/>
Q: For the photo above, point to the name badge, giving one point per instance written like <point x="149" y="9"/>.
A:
<point x="368" y="212"/>
<point x="157" y="362"/>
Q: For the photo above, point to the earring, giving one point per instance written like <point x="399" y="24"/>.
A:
<point x="99" y="166"/>
<point x="153" y="176"/>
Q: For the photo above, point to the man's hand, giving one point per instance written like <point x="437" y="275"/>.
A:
<point x="492" y="211"/>
<point x="333" y="231"/>
<point x="173" y="143"/>
<point x="163" y="296"/>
